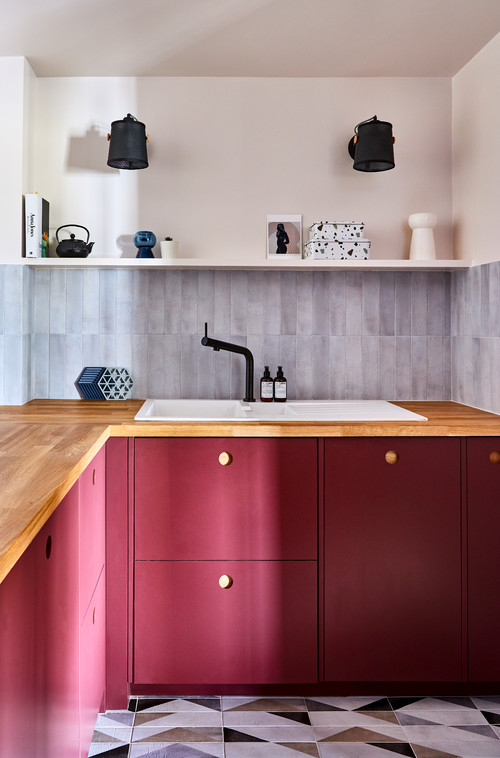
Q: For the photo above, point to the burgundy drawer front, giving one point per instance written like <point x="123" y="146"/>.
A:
<point x="92" y="527"/>
<point x="262" y="629"/>
<point x="261" y="506"/>
<point x="392" y="560"/>
<point x="483" y="479"/>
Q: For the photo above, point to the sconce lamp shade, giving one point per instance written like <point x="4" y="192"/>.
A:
<point x="127" y="144"/>
<point x="372" y="147"/>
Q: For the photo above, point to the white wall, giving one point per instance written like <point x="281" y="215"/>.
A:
<point x="476" y="158"/>
<point x="224" y="153"/>
<point x="16" y="80"/>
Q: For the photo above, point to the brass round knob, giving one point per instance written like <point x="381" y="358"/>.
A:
<point x="392" y="456"/>
<point x="225" y="459"/>
<point x="495" y="456"/>
<point x="225" y="582"/>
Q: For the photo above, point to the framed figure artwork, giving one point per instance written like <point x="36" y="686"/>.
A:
<point x="284" y="236"/>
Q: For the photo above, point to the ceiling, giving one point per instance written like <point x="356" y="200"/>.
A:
<point x="298" y="38"/>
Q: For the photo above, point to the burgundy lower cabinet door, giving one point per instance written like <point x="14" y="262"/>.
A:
<point x="260" y="628"/>
<point x="92" y="527"/>
<point x="392" y="560"/>
<point x="238" y="499"/>
<point x="92" y="665"/>
<point x="483" y="485"/>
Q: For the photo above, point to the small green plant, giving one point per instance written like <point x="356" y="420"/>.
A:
<point x="169" y="239"/>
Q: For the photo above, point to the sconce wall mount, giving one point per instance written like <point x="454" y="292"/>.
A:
<point x="372" y="147"/>
<point x="127" y="144"/>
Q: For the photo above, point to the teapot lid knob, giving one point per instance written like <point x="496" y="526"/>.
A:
<point x="72" y="236"/>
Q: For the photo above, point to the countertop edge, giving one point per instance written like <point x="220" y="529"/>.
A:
<point x="89" y="425"/>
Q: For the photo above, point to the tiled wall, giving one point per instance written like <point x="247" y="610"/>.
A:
<point x="476" y="336"/>
<point x="388" y="335"/>
<point x="338" y="335"/>
<point x="16" y="329"/>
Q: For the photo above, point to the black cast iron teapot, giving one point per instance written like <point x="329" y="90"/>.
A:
<point x="73" y="248"/>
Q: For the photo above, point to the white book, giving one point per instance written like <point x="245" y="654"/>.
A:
<point x="36" y="214"/>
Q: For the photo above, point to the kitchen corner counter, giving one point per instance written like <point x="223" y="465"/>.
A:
<point x="46" y="444"/>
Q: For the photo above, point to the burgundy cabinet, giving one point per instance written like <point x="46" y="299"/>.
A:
<point x="52" y="641"/>
<point x="260" y="629"/>
<point x="92" y="664"/>
<point x="92" y="527"/>
<point x="241" y="508"/>
<point x="483" y="491"/>
<point x="258" y="502"/>
<point x="392" y="559"/>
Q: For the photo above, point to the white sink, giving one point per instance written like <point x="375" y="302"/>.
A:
<point x="191" y="410"/>
<point x="296" y="410"/>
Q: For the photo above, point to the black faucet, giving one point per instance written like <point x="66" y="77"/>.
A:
<point x="231" y="348"/>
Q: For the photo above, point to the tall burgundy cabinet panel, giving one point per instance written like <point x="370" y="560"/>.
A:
<point x="52" y="633"/>
<point x="92" y="596"/>
<point x="244" y="509"/>
<point x="483" y="489"/>
<point x="392" y="559"/>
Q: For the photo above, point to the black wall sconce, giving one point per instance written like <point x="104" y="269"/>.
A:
<point x="127" y="144"/>
<point x="372" y="147"/>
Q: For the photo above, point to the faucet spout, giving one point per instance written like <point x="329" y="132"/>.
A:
<point x="230" y="347"/>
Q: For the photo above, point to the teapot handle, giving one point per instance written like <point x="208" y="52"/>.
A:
<point x="72" y="225"/>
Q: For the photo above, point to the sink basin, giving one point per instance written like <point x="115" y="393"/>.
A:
<point x="191" y="410"/>
<point x="295" y="410"/>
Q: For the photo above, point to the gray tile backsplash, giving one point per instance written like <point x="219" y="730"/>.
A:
<point x="475" y="334"/>
<point x="337" y="334"/>
<point x="392" y="335"/>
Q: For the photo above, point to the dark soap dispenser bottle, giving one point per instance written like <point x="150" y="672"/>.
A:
<point x="266" y="386"/>
<point x="280" y="391"/>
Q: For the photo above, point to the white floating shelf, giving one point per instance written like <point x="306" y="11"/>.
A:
<point x="255" y="265"/>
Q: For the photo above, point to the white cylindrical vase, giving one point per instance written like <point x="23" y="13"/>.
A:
<point x="422" y="246"/>
<point x="169" y="248"/>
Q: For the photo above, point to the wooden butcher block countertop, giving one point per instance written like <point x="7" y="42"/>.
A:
<point x="46" y="444"/>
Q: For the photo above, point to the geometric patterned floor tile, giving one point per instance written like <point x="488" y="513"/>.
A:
<point x="492" y="718"/>
<point x="360" y="734"/>
<point x="299" y="733"/>
<point x="348" y="704"/>
<point x="115" y="718"/>
<point x="457" y="749"/>
<point x="265" y="718"/>
<point x="449" y="718"/>
<point x="176" y="751"/>
<point x="285" y="704"/>
<point x="198" y="718"/>
<point x="177" y="734"/>
<point x="415" y="704"/>
<point x="373" y="719"/>
<point x="421" y="734"/>
<point x="271" y="750"/>
<point x="365" y="750"/>
<point x="107" y="750"/>
<point x="291" y="727"/>
<point x="175" y="705"/>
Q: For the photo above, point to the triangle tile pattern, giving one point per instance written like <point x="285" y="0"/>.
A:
<point x="172" y="751"/>
<point x="306" y="748"/>
<point x="144" y="730"/>
<point x="428" y="752"/>
<point x="114" y="752"/>
<point x="359" y="734"/>
<point x="398" y="748"/>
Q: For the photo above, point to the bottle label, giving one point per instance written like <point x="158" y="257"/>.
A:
<point x="266" y="390"/>
<point x="280" y="390"/>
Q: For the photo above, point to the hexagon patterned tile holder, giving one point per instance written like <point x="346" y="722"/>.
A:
<point x="101" y="383"/>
